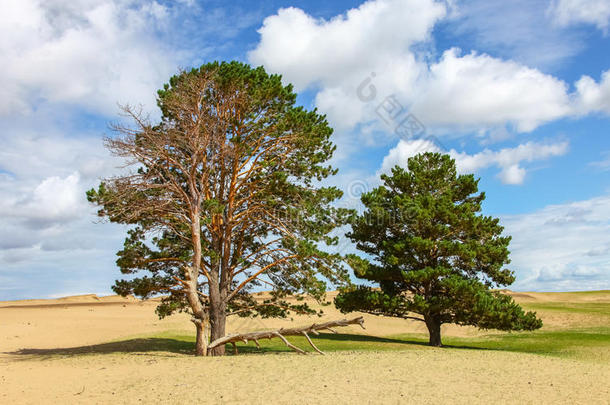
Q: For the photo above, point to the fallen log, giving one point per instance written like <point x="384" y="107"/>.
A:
<point x="280" y="333"/>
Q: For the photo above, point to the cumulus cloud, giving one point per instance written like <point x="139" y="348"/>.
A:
<point x="384" y="48"/>
<point x="335" y="56"/>
<point x="308" y="50"/>
<point x="48" y="227"/>
<point x="54" y="199"/>
<point x="77" y="257"/>
<point x="65" y="66"/>
<point x="383" y="45"/>
<point x="32" y="154"/>
<point x="400" y="154"/>
<point x="569" y="12"/>
<point x="45" y="178"/>
<point x="60" y="58"/>
<point x="477" y="90"/>
<point x="91" y="54"/>
<point x="508" y="160"/>
<point x="562" y="247"/>
<point x="591" y="96"/>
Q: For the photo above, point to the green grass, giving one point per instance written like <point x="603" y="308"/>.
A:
<point x="586" y="343"/>
<point x="593" y="308"/>
<point x="602" y="293"/>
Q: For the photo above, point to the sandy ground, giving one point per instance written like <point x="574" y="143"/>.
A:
<point x="424" y="375"/>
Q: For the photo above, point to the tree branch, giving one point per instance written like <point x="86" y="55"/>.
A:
<point x="280" y="333"/>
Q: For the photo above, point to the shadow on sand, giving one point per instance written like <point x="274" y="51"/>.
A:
<point x="140" y="345"/>
<point x="410" y="340"/>
<point x="325" y="341"/>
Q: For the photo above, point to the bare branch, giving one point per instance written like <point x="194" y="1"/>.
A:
<point x="280" y="333"/>
<point x="311" y="343"/>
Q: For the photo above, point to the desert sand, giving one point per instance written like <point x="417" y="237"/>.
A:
<point x="61" y="351"/>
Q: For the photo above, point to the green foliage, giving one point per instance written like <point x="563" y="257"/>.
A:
<point x="432" y="252"/>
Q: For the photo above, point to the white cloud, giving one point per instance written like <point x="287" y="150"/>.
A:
<point x="48" y="228"/>
<point x="400" y="154"/>
<point x="45" y="178"/>
<point x="508" y="160"/>
<point x="92" y="54"/>
<point x="336" y="55"/>
<point x="389" y="43"/>
<point x="80" y="254"/>
<point x="569" y="12"/>
<point x="476" y="90"/>
<point x="31" y="155"/>
<point x="591" y="96"/>
<point x="49" y="232"/>
<point x="308" y="50"/>
<point x="60" y="58"/>
<point x="562" y="247"/>
<point x="55" y="199"/>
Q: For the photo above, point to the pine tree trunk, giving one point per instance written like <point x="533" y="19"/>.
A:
<point x="218" y="320"/>
<point x="434" y="330"/>
<point x="203" y="337"/>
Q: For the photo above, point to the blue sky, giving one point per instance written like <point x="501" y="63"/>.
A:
<point x="517" y="92"/>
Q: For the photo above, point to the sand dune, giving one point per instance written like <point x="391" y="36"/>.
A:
<point x="38" y="328"/>
<point x="88" y="299"/>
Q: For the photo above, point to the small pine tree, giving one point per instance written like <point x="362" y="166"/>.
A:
<point x="433" y="253"/>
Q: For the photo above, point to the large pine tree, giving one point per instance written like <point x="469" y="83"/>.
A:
<point x="224" y="198"/>
<point x="435" y="257"/>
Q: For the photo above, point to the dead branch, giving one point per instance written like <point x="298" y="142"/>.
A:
<point x="281" y="333"/>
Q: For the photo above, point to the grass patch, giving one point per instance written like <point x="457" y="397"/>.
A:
<point x="593" y="308"/>
<point x="585" y="344"/>
<point x="603" y="293"/>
